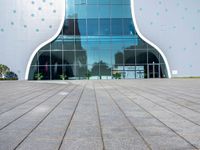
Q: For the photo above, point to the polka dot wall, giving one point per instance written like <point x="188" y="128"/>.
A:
<point x="174" y="26"/>
<point x="24" y="25"/>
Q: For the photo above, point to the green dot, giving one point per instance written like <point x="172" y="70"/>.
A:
<point x="37" y="30"/>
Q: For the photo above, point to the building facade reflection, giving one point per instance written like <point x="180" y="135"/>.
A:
<point x="98" y="38"/>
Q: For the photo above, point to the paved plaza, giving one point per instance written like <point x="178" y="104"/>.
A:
<point x="100" y="115"/>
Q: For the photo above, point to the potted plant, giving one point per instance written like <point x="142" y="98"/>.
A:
<point x="39" y="76"/>
<point x="63" y="77"/>
<point x="88" y="75"/>
<point x="117" y="75"/>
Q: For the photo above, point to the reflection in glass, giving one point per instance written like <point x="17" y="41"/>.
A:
<point x="98" y="39"/>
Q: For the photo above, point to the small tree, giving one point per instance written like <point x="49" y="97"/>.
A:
<point x="88" y="75"/>
<point x="39" y="76"/>
<point x="3" y="70"/>
<point x="117" y="75"/>
<point x="63" y="77"/>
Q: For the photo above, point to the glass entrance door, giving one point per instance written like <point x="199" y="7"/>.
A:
<point x="153" y="70"/>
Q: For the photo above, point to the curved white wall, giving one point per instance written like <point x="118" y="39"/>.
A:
<point x="24" y="25"/>
<point x="174" y="26"/>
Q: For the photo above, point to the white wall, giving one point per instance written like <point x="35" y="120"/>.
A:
<point x="174" y="26"/>
<point x="24" y="25"/>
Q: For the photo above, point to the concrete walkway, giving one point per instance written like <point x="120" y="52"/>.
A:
<point x="100" y="115"/>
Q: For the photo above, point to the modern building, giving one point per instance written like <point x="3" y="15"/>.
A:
<point x="87" y="38"/>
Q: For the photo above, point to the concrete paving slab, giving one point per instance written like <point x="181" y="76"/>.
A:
<point x="100" y="115"/>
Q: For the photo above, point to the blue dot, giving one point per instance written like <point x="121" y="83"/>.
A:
<point x="157" y="13"/>
<point x="39" y="8"/>
<point x="32" y="15"/>
<point x="44" y="1"/>
<point x="54" y="11"/>
<point x="42" y="19"/>
<point x="51" y="3"/>
<point x="2" y="30"/>
<point x="193" y="28"/>
<point x="14" y="11"/>
<point x="25" y="26"/>
<point x="12" y="23"/>
<point x="50" y="26"/>
<point x="32" y="2"/>
<point x="37" y="30"/>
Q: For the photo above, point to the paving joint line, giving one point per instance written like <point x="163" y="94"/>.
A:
<point x="30" y="99"/>
<point x="44" y="117"/>
<point x="99" y="119"/>
<point x="159" y="120"/>
<point x="69" y="123"/>
<point x="46" y="99"/>
<point x="133" y="126"/>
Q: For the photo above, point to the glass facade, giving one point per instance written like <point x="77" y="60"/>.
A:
<point x="98" y="39"/>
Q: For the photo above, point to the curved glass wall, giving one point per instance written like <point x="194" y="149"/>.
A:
<point x="98" y="39"/>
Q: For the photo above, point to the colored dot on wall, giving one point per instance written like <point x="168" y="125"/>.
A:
<point x="42" y="19"/>
<point x="32" y="15"/>
<point x="44" y="1"/>
<point x="39" y="8"/>
<point x="14" y="11"/>
<point x="140" y="9"/>
<point x="51" y="3"/>
<point x="32" y="2"/>
<point x="166" y="10"/>
<point x="37" y="30"/>
<point x="25" y="26"/>
<point x="50" y="26"/>
<point x="54" y="11"/>
<point x="2" y="30"/>
<point x="159" y="2"/>
<point x="12" y="23"/>
<point x="193" y="28"/>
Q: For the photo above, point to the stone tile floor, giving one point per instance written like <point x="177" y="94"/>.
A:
<point x="100" y="115"/>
